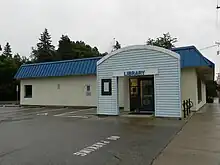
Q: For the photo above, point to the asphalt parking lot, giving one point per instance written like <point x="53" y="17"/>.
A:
<point x="67" y="136"/>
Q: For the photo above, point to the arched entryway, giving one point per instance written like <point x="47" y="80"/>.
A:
<point x="153" y="73"/>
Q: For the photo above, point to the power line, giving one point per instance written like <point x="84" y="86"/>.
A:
<point x="208" y="47"/>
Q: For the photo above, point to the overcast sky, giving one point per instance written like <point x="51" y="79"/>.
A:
<point x="97" y="22"/>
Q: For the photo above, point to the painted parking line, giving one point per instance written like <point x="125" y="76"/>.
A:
<point x="83" y="117"/>
<point x="69" y="113"/>
<point x="46" y="112"/>
<point x="42" y="114"/>
<point x="96" y="146"/>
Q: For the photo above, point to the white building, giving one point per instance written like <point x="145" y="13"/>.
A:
<point x="147" y="78"/>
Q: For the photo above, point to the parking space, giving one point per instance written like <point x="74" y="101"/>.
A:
<point x="79" y="113"/>
<point x="7" y="113"/>
<point x="75" y="136"/>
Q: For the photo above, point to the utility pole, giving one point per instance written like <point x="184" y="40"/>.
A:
<point x="217" y="44"/>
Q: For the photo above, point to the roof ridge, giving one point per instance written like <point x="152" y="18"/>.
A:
<point x="183" y="48"/>
<point x="63" y="61"/>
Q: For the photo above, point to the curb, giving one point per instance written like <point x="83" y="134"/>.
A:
<point x="9" y="105"/>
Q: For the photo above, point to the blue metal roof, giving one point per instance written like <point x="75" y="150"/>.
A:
<point x="190" y="57"/>
<point x="86" y="66"/>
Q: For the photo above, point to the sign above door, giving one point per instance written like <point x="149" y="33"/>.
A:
<point x="132" y="73"/>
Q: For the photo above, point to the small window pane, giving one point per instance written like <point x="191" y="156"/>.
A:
<point x="106" y="86"/>
<point x="88" y="88"/>
<point x="134" y="82"/>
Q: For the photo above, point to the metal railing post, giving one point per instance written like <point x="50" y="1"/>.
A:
<point x="184" y="108"/>
<point x="187" y="108"/>
<point x="190" y="106"/>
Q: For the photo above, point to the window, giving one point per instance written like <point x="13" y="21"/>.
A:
<point x="106" y="87"/>
<point x="28" y="91"/>
<point x="199" y="90"/>
<point x="88" y="90"/>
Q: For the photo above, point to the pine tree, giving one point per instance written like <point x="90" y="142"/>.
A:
<point x="45" y="51"/>
<point x="7" y="51"/>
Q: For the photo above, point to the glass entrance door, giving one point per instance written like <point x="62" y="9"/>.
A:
<point x="142" y="94"/>
<point x="134" y="94"/>
<point x="147" y="95"/>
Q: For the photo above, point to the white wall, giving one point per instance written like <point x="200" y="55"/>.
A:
<point x="189" y="85"/>
<point x="71" y="92"/>
<point x="203" y="102"/>
<point x="189" y="88"/>
<point x="121" y="91"/>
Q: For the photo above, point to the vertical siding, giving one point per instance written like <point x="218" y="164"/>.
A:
<point x="121" y="91"/>
<point x="72" y="91"/>
<point x="167" y="82"/>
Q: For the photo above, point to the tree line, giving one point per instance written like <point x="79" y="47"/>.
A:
<point x="45" y="51"/>
<point x="67" y="49"/>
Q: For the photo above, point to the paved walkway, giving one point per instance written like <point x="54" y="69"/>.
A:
<point x="199" y="141"/>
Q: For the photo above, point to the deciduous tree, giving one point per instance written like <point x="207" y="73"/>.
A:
<point x="166" y="41"/>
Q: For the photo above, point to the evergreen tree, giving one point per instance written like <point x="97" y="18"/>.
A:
<point x="7" y="51"/>
<point x="45" y="51"/>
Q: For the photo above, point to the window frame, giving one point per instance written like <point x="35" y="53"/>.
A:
<point x="88" y="90"/>
<point x="29" y="94"/>
<point x="103" y="82"/>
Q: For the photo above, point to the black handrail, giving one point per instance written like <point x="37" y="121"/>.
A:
<point x="187" y="105"/>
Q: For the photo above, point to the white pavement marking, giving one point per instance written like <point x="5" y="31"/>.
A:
<point x="67" y="113"/>
<point x="42" y="114"/>
<point x="83" y="117"/>
<point x="52" y="110"/>
<point x="96" y="146"/>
